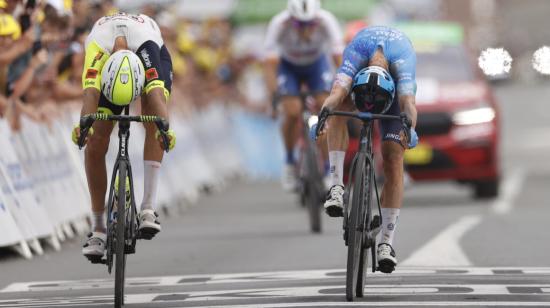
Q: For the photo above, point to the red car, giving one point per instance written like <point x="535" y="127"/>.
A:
<point x="458" y="120"/>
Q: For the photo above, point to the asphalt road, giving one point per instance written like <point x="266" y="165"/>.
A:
<point x="249" y="246"/>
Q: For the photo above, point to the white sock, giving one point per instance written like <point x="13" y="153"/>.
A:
<point x="336" y="167"/>
<point x="389" y="223"/>
<point x="151" y="170"/>
<point x="98" y="221"/>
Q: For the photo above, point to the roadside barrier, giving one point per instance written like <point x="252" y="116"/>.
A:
<point x="44" y="197"/>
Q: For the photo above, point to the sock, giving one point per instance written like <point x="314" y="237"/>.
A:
<point x="336" y="169"/>
<point x="151" y="170"/>
<point x="98" y="221"/>
<point x="290" y="157"/>
<point x="389" y="223"/>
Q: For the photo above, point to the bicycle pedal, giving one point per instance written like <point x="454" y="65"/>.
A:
<point x="96" y="259"/>
<point x="129" y="250"/>
<point x="146" y="235"/>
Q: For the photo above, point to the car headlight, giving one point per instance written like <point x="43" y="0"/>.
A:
<point x="474" y="116"/>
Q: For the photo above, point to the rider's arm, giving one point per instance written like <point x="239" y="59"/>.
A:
<point x="90" y="99"/>
<point x="270" y="73"/>
<point x="337" y="95"/>
<point x="407" y="105"/>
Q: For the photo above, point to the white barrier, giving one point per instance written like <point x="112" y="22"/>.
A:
<point x="44" y="195"/>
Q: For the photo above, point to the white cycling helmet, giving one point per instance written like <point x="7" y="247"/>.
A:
<point x="122" y="78"/>
<point x="304" y="10"/>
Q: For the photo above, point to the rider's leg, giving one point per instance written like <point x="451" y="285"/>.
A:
<point x="338" y="140"/>
<point x="392" y="196"/>
<point x="158" y="71"/>
<point x="290" y="129"/>
<point x="152" y="104"/>
<point x="96" y="172"/>
<point x="392" y="192"/>
<point x="292" y="109"/>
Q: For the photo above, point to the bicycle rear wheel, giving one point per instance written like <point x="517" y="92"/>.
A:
<point x="120" y="264"/>
<point x="355" y="228"/>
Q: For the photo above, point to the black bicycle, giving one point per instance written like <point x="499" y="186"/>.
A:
<point x="122" y="221"/>
<point x="361" y="225"/>
<point x="310" y="188"/>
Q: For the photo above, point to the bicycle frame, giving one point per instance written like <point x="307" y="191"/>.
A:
<point x="122" y="156"/>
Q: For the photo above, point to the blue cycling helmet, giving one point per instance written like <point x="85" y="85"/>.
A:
<point x="373" y="90"/>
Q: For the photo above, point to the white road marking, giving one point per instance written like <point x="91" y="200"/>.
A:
<point x="328" y="292"/>
<point x="187" y="280"/>
<point x="444" y="249"/>
<point x="509" y="190"/>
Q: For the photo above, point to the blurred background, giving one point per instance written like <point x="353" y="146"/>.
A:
<point x="481" y="166"/>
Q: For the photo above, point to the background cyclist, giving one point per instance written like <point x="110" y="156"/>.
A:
<point x="387" y="54"/>
<point x="117" y="45"/>
<point x="299" y="45"/>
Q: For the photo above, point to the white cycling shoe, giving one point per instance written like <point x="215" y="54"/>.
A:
<point x="334" y="205"/>
<point x="149" y="224"/>
<point x="387" y="259"/>
<point x="94" y="248"/>
<point x="289" y="179"/>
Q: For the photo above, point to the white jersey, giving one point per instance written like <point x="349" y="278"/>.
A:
<point x="136" y="28"/>
<point x="283" y="39"/>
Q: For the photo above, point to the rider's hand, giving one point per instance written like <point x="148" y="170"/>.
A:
<point x="321" y="126"/>
<point x="414" y="138"/>
<point x="76" y="134"/>
<point x="409" y="137"/>
<point x="171" y="139"/>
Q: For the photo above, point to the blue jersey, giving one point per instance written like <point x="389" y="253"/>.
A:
<point x="397" y="49"/>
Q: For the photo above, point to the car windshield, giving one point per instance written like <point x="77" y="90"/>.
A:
<point x="448" y="63"/>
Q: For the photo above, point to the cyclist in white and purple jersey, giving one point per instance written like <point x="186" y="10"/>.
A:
<point x="301" y="45"/>
<point x="386" y="63"/>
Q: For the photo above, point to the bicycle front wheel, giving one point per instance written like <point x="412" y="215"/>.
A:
<point x="355" y="227"/>
<point x="120" y="264"/>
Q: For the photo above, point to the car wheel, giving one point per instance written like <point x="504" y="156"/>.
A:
<point x="486" y="189"/>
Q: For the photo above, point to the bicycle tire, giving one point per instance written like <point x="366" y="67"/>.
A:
<point x="313" y="189"/>
<point x="111" y="232"/>
<point x="355" y="235"/>
<point x="120" y="263"/>
<point x="362" y="273"/>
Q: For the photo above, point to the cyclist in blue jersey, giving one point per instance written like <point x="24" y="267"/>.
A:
<point x="390" y="60"/>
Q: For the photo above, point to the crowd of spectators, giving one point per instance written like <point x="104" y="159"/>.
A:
<point x="42" y="55"/>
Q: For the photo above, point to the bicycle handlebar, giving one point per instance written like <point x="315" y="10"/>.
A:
<point x="363" y="116"/>
<point x="88" y="120"/>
